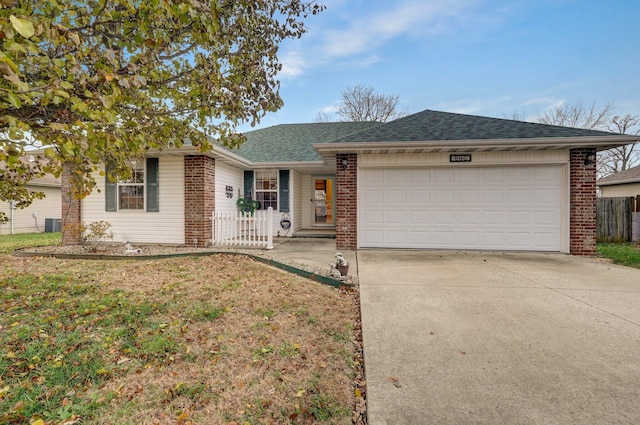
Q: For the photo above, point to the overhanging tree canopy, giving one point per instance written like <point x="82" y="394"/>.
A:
<point x="106" y="80"/>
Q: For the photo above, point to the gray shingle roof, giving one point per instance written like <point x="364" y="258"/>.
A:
<point x="294" y="142"/>
<point x="438" y="126"/>
<point x="627" y="176"/>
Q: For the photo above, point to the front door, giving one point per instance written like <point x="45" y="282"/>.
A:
<point x="323" y="210"/>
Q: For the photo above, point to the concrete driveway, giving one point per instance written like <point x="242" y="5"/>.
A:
<point x="475" y="338"/>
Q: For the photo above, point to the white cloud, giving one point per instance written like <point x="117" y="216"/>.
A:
<point x="489" y="107"/>
<point x="409" y="17"/>
<point x="545" y="102"/>
<point x="331" y="109"/>
<point x="293" y="64"/>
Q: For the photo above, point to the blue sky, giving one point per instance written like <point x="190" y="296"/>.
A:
<point x="478" y="57"/>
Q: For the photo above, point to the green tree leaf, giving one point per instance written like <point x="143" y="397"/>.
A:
<point x="23" y="26"/>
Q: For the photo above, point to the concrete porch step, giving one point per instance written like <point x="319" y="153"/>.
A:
<point x="315" y="233"/>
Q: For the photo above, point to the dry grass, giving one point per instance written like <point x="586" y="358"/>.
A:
<point x="227" y="340"/>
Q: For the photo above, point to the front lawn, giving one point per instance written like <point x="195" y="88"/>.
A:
<point x="9" y="243"/>
<point x="626" y="254"/>
<point x="199" y="340"/>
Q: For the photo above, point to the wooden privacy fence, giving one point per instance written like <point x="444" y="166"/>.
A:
<point x="240" y="229"/>
<point x="615" y="219"/>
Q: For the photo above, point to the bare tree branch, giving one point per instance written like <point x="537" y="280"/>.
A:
<point x="592" y="117"/>
<point x="361" y="103"/>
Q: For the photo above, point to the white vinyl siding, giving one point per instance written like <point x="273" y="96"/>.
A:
<point x="227" y="175"/>
<point x="23" y="220"/>
<point x="620" y="190"/>
<point x="307" y="202"/>
<point x="296" y="213"/>
<point x="521" y="206"/>
<point x="139" y="226"/>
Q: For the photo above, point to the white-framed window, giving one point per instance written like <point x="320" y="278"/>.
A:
<point x="140" y="192"/>
<point x="131" y="190"/>
<point x="266" y="188"/>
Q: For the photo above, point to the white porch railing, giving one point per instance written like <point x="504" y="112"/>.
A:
<point x="242" y="229"/>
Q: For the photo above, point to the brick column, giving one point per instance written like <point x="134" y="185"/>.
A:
<point x="199" y="199"/>
<point x="71" y="213"/>
<point x="582" y="187"/>
<point x="347" y="202"/>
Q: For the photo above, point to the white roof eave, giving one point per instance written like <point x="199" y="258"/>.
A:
<point x="599" y="142"/>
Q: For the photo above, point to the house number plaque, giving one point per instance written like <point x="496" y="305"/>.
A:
<point x="460" y="158"/>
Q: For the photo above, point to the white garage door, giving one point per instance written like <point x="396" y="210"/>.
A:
<point x="502" y="208"/>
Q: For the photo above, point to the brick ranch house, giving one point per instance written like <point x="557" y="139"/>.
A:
<point x="431" y="180"/>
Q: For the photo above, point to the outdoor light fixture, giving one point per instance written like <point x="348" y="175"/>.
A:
<point x="589" y="159"/>
<point x="345" y="163"/>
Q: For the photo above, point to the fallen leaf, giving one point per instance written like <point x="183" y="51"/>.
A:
<point x="394" y="381"/>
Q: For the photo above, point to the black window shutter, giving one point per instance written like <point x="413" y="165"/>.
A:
<point x="151" y="179"/>
<point x="248" y="185"/>
<point x="284" y="191"/>
<point x="110" y="190"/>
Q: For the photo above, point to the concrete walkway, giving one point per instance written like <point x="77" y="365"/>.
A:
<point x="316" y="252"/>
<point x="474" y="338"/>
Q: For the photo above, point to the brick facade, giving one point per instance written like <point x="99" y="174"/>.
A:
<point x="199" y="199"/>
<point x="582" y="199"/>
<point x="71" y="209"/>
<point x="347" y="202"/>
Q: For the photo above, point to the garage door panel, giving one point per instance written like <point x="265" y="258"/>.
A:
<point x="544" y="217"/>
<point x="469" y="238"/>
<point x="492" y="217"/>
<point x="493" y="240"/>
<point x="495" y="196"/>
<point x="467" y="175"/>
<point x="548" y="196"/>
<point x="397" y="237"/>
<point x="371" y="197"/>
<point x="396" y="197"/>
<point x="520" y="217"/>
<point x="444" y="239"/>
<point x="468" y="217"/>
<point x="517" y="174"/>
<point x="505" y="207"/>
<point x="419" y="238"/>
<point x="420" y="197"/>
<point x="397" y="217"/>
<point x="420" y="217"/>
<point x="492" y="175"/>
<point x="443" y="195"/>
<point x="373" y="217"/>
<point x="444" y="217"/>
<point x="443" y="175"/>
<point x="396" y="177"/>
<point x="373" y="238"/>
<point x="518" y="240"/>
<point x="420" y="176"/>
<point x="518" y="196"/>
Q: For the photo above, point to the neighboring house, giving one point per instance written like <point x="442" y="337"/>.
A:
<point x="431" y="180"/>
<point x="33" y="218"/>
<point x="624" y="183"/>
